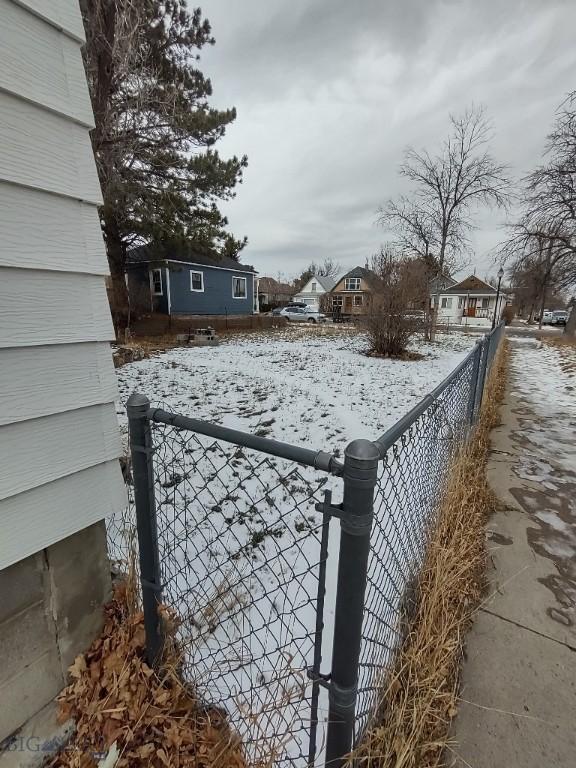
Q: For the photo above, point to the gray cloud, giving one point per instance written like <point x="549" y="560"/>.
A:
<point x="330" y="92"/>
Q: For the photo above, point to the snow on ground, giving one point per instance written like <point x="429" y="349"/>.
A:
<point x="239" y="532"/>
<point x="303" y="385"/>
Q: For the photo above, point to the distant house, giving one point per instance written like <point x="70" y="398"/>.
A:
<point x="272" y="293"/>
<point x="352" y="294"/>
<point x="470" y="302"/>
<point x="172" y="279"/>
<point x="315" y="288"/>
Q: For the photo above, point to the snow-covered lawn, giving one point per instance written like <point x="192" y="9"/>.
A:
<point x="238" y="531"/>
<point x="302" y="385"/>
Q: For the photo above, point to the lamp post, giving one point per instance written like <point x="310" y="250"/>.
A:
<point x="500" y="276"/>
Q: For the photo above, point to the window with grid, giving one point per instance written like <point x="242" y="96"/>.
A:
<point x="352" y="284"/>
<point x="358" y="301"/>
<point x="239" y="287"/>
<point x="336" y="301"/>
<point x="156" y="281"/>
<point x="313" y="287"/>
<point x="196" y="281"/>
<point x="485" y="303"/>
<point x="446" y="303"/>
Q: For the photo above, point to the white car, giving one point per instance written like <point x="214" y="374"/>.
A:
<point x="303" y="315"/>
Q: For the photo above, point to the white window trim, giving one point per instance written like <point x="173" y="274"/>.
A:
<point x="197" y="272"/>
<point x="161" y="292"/>
<point x="357" y="281"/>
<point x="239" y="277"/>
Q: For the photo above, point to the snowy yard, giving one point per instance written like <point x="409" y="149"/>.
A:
<point x="303" y="385"/>
<point x="238" y="531"/>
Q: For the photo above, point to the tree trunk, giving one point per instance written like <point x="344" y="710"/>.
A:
<point x="119" y="300"/>
<point x="570" y="327"/>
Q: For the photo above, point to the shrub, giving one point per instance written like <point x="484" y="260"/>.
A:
<point x="399" y="293"/>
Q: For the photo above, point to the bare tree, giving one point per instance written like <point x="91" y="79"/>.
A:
<point x="544" y="237"/>
<point x="436" y="220"/>
<point x="399" y="289"/>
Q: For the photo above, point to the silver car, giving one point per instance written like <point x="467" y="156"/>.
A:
<point x="303" y="315"/>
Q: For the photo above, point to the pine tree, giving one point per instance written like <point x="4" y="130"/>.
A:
<point x="155" y="131"/>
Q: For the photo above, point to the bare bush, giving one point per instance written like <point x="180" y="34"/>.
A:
<point x="399" y="296"/>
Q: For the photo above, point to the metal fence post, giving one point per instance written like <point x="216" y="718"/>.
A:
<point x="143" y="474"/>
<point x="474" y="382"/>
<point x="482" y="371"/>
<point x="360" y="475"/>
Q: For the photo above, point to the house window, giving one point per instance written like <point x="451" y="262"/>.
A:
<point x="460" y="302"/>
<point x="352" y="284"/>
<point x="358" y="300"/>
<point x="196" y="281"/>
<point x="239" y="287"/>
<point x="485" y="303"/>
<point x="156" y="282"/>
<point x="336" y="301"/>
<point x="313" y="287"/>
<point x="446" y="303"/>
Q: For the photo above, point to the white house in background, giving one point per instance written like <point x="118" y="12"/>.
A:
<point x="314" y="289"/>
<point x="59" y="437"/>
<point x="470" y="302"/>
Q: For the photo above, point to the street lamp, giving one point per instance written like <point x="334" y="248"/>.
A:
<point x="500" y="276"/>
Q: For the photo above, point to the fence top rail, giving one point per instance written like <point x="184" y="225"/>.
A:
<point x="385" y="441"/>
<point x="320" y="460"/>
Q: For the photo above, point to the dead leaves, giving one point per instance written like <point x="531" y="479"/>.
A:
<point x="118" y="701"/>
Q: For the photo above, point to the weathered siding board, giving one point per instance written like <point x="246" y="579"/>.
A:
<point x="38" y="308"/>
<point x="41" y="64"/>
<point x="42" y="516"/>
<point x="43" y="231"/>
<point x="47" y="151"/>
<point x="53" y="379"/>
<point x="62" y="14"/>
<point x="38" y="451"/>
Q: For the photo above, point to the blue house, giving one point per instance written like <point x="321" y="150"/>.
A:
<point x="173" y="279"/>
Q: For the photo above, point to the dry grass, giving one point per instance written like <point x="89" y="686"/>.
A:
<point x="420" y="698"/>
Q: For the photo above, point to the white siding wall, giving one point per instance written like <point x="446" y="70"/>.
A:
<point x="58" y="431"/>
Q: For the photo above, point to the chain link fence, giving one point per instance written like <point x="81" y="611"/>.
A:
<point x="288" y="631"/>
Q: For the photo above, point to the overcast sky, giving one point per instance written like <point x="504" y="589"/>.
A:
<point x="330" y="92"/>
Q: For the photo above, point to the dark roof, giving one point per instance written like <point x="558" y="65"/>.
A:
<point x="472" y="284"/>
<point x="271" y="285"/>
<point x="361" y="272"/>
<point x="143" y="254"/>
<point x="326" y="281"/>
<point x="441" y="282"/>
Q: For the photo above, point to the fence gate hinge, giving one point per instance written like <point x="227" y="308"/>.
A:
<point x="318" y="677"/>
<point x="327" y="508"/>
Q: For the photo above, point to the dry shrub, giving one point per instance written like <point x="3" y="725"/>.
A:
<point x="420" y="697"/>
<point x="151" y="718"/>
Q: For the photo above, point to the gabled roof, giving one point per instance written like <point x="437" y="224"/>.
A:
<point x="326" y="281"/>
<point x="472" y="284"/>
<point x="143" y="254"/>
<point x="361" y="272"/>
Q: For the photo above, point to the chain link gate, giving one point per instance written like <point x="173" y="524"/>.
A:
<point x="288" y="630"/>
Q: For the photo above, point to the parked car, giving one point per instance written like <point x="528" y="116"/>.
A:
<point x="302" y="315"/>
<point x="280" y="310"/>
<point x="547" y="317"/>
<point x="559" y="317"/>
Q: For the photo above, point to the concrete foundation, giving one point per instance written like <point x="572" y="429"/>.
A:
<point x="50" y="611"/>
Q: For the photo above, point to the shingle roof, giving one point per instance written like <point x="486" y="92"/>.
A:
<point x="361" y="272"/>
<point x="326" y="281"/>
<point x="471" y="284"/>
<point x="181" y="252"/>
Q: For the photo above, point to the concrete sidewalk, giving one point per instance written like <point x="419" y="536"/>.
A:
<point x="518" y="707"/>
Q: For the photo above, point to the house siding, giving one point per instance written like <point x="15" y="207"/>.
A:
<point x="57" y="385"/>
<point x="216" y="299"/>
